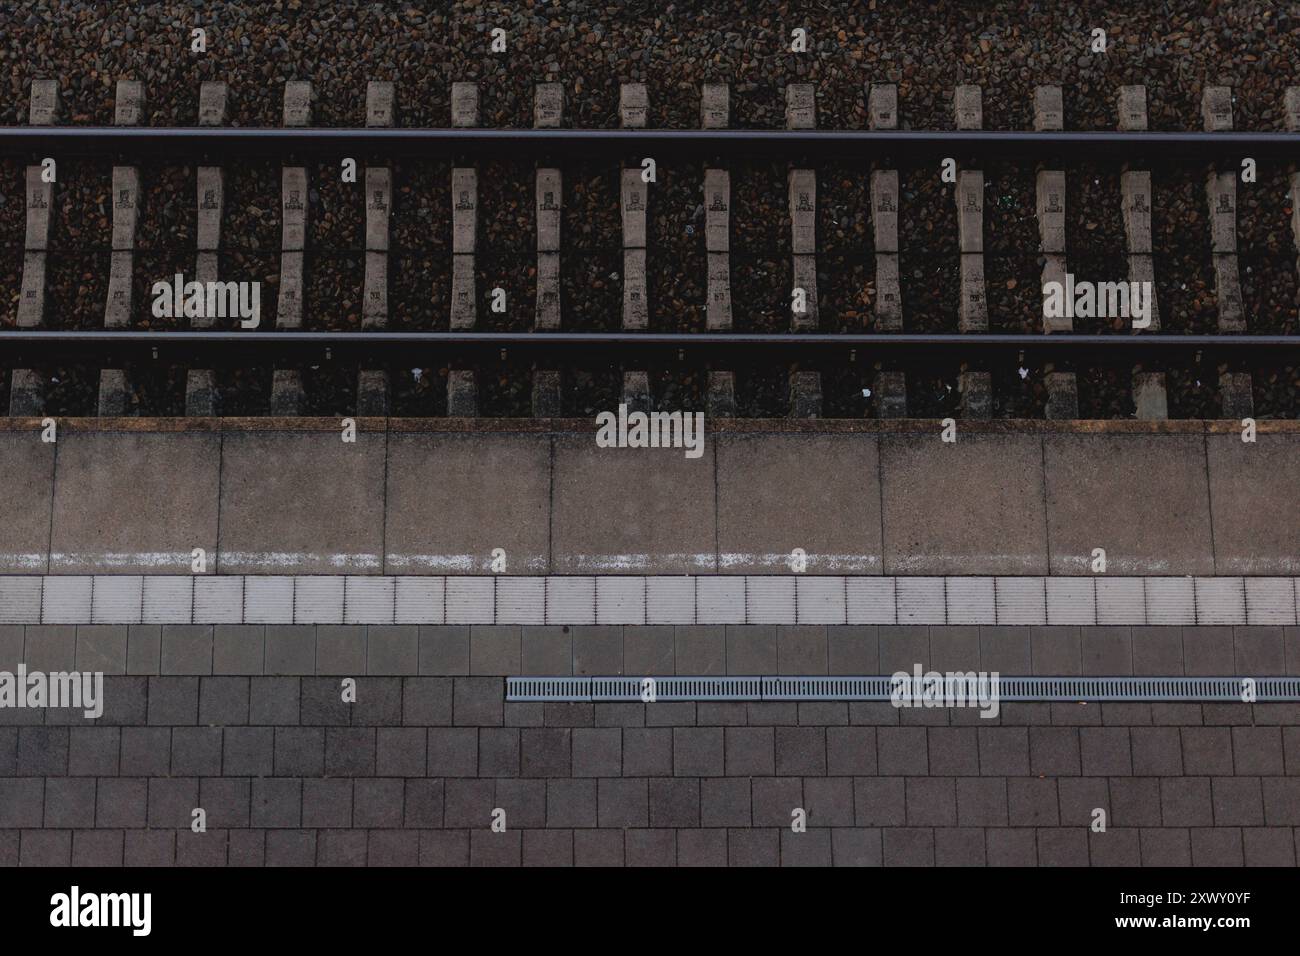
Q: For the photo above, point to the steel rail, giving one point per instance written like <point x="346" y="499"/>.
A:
<point x="169" y="141"/>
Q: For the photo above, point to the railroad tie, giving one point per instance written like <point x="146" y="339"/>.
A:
<point x="286" y="384"/>
<point x="464" y="215"/>
<point x="633" y="108"/>
<point x="636" y="392"/>
<point x="548" y="112"/>
<point x="968" y="107"/>
<point x="715" y="113"/>
<point x="1150" y="398"/>
<point x="882" y="113"/>
<point x="721" y="399"/>
<point x="801" y="113"/>
<point x="1049" y="184"/>
<point x="372" y="384"/>
<point x="202" y="396"/>
<point x="128" y="110"/>
<point x="27" y="386"/>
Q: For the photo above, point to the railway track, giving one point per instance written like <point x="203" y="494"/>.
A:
<point x="977" y="358"/>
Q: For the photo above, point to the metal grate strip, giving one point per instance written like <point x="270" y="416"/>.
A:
<point x="879" y="688"/>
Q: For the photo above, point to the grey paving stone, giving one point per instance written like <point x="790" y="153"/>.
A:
<point x="378" y="802"/>
<point x="823" y="713"/>
<point x="547" y="651"/>
<point x="548" y="848"/>
<point x="955" y="648"/>
<point x="809" y="848"/>
<point x="545" y="751"/>
<point x="173" y="701"/>
<point x="444" y="650"/>
<point x="327" y="802"/>
<point x="147" y="751"/>
<point x="1185" y="802"/>
<point x="477" y="701"/>
<point x="102" y="647"/>
<point x="126" y="701"/>
<point x="1281" y="801"/>
<point x="698" y="751"/>
<point x="70" y="802"/>
<point x="488" y="848"/>
<point x="196" y="751"/>
<point x="703" y="650"/>
<point x="1259" y="650"/>
<point x="341" y="650"/>
<point x="226" y="801"/>
<point x="392" y="649"/>
<point x="1268" y="846"/>
<point x="873" y="713"/>
<point x="42" y="751"/>
<point x="602" y="848"/>
<point x="97" y="848"/>
<point x="902" y="750"/>
<point x="1022" y="713"/>
<point x="524" y="714"/>
<point x="622" y="803"/>
<point x="1157" y="751"/>
<point x="1105" y="751"/>
<point x="247" y="848"/>
<point x="612" y="714"/>
<point x="879" y="801"/>
<point x="283" y="701"/>
<point x="1157" y="651"/>
<point x="1107" y="651"/>
<point x="9" y="751"/>
<point x="1169" y="846"/>
<point x="853" y="650"/>
<point x="427" y="701"/>
<point x="11" y="646"/>
<point x="171" y="802"/>
<point x="750" y="751"/>
<point x="1075" y="714"/>
<point x="557" y="714"/>
<point x="721" y="713"/>
<point x="498" y="751"/>
<point x="1219" y="846"/>
<point x="277" y="802"/>
<point x="444" y="848"/>
<point x="749" y="650"/>
<point x="223" y="701"/>
<point x="702" y="848"/>
<point x="341" y="848"/>
<point x="829" y="801"/>
<point x="1188" y="715"/>
<point x="249" y="752"/>
<point x="290" y="649"/>
<point x="856" y="847"/>
<point x="300" y="751"/>
<point x="1054" y="751"/>
<point x="1257" y="750"/>
<point x="597" y="751"/>
<point x="1062" y="847"/>
<point x="1206" y="750"/>
<point x="650" y="847"/>
<point x="931" y="801"/>
<point x="1115" y="847"/>
<point x="1230" y="714"/>
<point x="901" y="648"/>
<point x="378" y="703"/>
<point x="121" y="802"/>
<point x="1055" y="650"/>
<point x="596" y="650"/>
<point x="850" y="751"/>
<point x="9" y="847"/>
<point x="1032" y="801"/>
<point x="670" y="714"/>
<point x="725" y="802"/>
<point x="46" y="848"/>
<point x="291" y="848"/>
<point x="400" y="751"/>
<point x="349" y="751"/>
<point x="1079" y="796"/>
<point x="773" y="800"/>
<point x="1011" y="847"/>
<point x="801" y="751"/>
<point x="1237" y="801"/>
<point x="802" y="649"/>
<point x="924" y="716"/>
<point x="50" y="647"/>
<point x="570" y="803"/>
<point x="1207" y="651"/>
<point x="909" y="847"/>
<point x="753" y="848"/>
<point x="93" y="751"/>
<point x="675" y="801"/>
<point x="495" y="649"/>
<point x="982" y="801"/>
<point x="1118" y="713"/>
<point x="649" y="650"/>
<point x="959" y="846"/>
<point x="236" y="648"/>
<point x="187" y="649"/>
<point x="1135" y="801"/>
<point x="1291" y="749"/>
<point x="424" y="803"/>
<point x="524" y="802"/>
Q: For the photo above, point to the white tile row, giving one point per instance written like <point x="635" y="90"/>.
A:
<point x="617" y="599"/>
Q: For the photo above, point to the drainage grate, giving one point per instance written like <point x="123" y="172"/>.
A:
<point x="1190" y="689"/>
